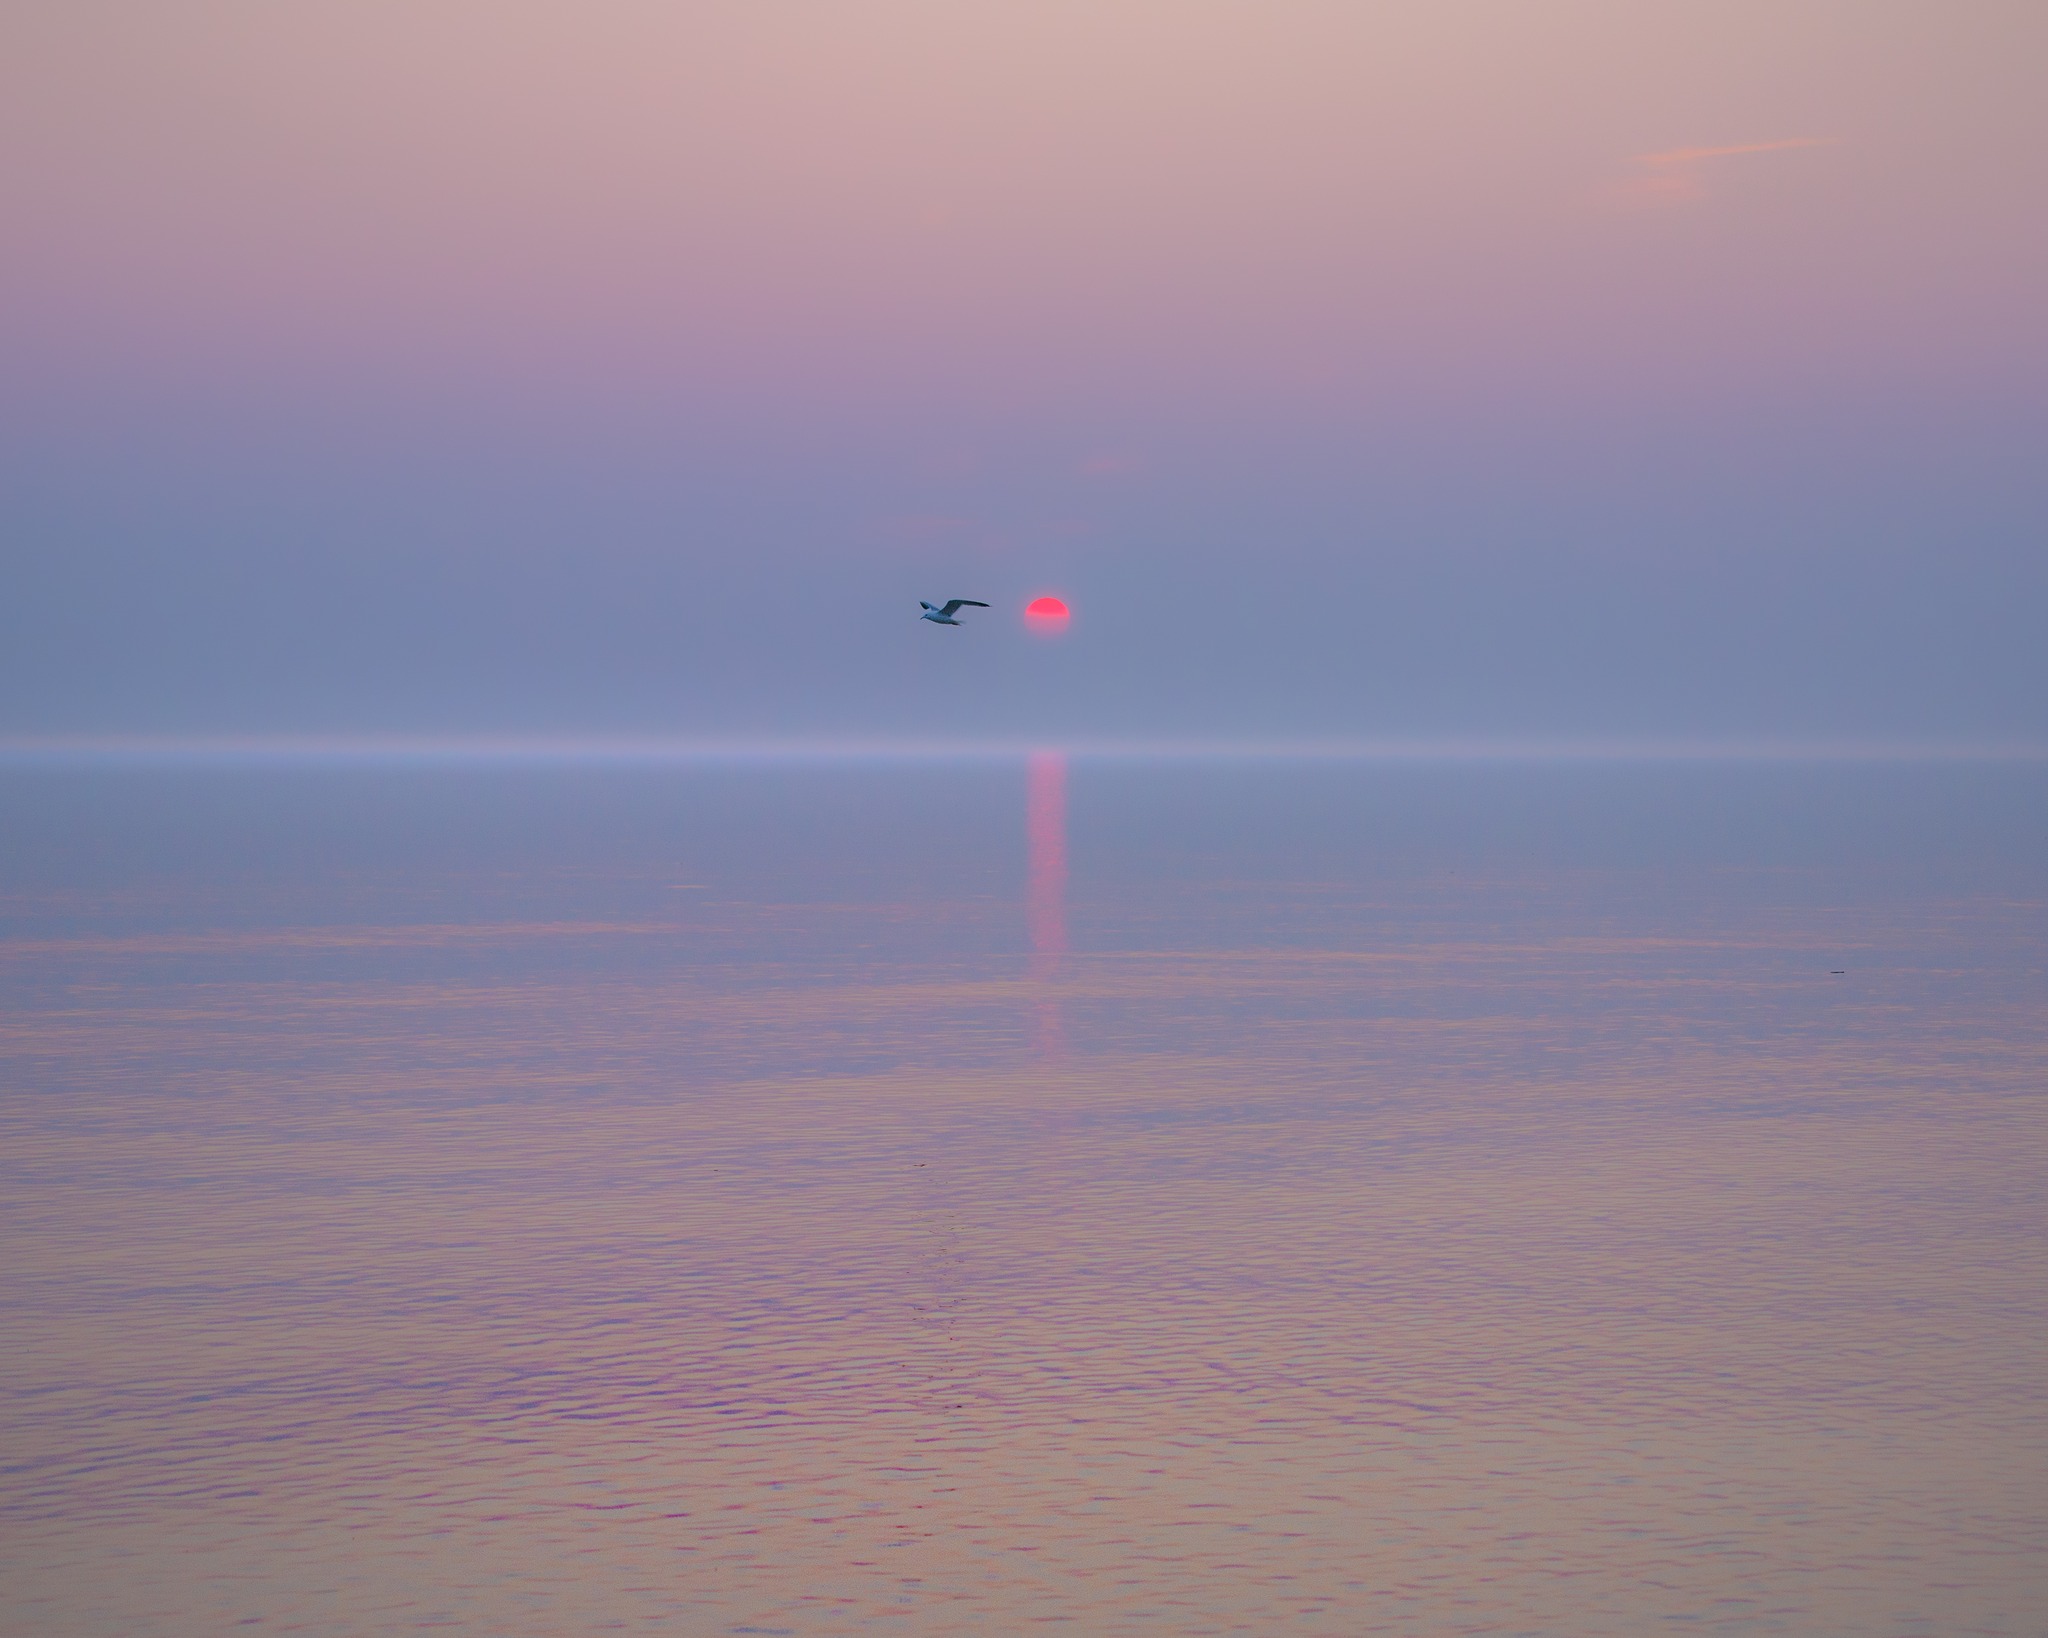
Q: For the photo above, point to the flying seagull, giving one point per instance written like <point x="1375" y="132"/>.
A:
<point x="944" y="616"/>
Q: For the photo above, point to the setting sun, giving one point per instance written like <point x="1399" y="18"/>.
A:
<point x="1047" y="615"/>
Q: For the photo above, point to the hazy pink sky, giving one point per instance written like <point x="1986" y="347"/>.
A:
<point x="1041" y="197"/>
<point x="1254" y="226"/>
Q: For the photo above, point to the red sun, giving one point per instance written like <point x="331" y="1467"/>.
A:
<point x="1046" y="614"/>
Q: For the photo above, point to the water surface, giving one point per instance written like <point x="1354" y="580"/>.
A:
<point x="1180" y="1198"/>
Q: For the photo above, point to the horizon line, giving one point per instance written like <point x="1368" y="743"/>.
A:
<point x="656" y="749"/>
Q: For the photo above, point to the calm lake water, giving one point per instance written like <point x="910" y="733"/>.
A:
<point x="1170" y="1198"/>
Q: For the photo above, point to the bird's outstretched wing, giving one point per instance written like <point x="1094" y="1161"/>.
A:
<point x="958" y="603"/>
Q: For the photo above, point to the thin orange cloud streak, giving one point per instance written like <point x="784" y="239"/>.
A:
<point x="1686" y="156"/>
<point x="1672" y="176"/>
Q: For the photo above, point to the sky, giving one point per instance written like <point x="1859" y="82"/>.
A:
<point x="1391" y="370"/>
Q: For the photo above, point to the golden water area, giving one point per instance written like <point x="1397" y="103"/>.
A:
<point x="1456" y="1255"/>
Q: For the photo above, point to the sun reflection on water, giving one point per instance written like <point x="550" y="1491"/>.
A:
<point x="1045" y="904"/>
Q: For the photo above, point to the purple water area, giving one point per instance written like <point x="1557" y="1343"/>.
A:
<point x="1227" y="1197"/>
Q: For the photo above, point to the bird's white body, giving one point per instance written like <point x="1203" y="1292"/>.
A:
<point x="944" y="616"/>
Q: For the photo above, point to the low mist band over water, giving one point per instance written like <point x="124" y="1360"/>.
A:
<point x="424" y="749"/>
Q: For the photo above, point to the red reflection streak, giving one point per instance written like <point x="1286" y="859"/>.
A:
<point x="1045" y="905"/>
